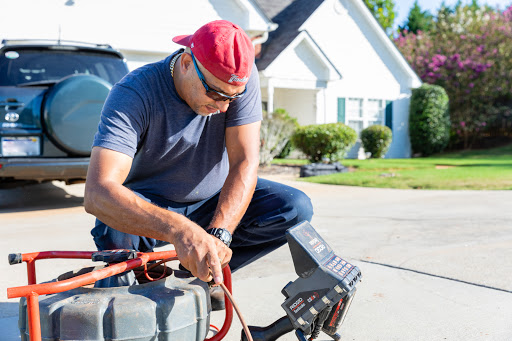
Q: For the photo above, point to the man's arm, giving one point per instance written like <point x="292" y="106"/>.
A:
<point x="242" y="143"/>
<point x="118" y="207"/>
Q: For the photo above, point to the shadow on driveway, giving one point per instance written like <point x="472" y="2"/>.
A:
<point x="37" y="197"/>
<point x="9" y="321"/>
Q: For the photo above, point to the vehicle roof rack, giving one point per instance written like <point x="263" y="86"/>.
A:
<point x="53" y="42"/>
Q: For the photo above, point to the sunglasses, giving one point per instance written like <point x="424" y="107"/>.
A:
<point x="214" y="94"/>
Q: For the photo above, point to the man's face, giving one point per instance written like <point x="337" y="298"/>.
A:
<point x="217" y="99"/>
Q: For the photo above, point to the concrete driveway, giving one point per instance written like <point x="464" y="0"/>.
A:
<point x="437" y="265"/>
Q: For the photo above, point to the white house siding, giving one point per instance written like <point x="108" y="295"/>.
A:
<point x="301" y="104"/>
<point x="368" y="69"/>
<point x="136" y="59"/>
<point x="142" y="30"/>
<point x="125" y="24"/>
<point x="400" y="128"/>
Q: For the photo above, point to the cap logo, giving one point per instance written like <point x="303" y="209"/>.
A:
<point x="192" y="45"/>
<point x="235" y="78"/>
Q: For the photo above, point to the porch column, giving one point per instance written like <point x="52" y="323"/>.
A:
<point x="270" y="97"/>
<point x="321" y="110"/>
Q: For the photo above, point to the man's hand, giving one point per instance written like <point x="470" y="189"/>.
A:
<point x="202" y="254"/>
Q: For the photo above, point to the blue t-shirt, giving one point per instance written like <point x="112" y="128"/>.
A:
<point x="177" y="154"/>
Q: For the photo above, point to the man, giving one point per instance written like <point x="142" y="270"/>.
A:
<point x="175" y="159"/>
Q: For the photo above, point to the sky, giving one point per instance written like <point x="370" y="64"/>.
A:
<point x="402" y="7"/>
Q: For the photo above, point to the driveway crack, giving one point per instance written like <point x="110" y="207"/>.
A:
<point x="438" y="276"/>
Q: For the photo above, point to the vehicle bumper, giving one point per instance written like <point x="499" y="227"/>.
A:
<point x="43" y="169"/>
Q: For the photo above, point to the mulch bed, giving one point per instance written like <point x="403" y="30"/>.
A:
<point x="279" y="169"/>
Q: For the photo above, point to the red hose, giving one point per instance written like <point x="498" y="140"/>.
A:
<point x="226" y="272"/>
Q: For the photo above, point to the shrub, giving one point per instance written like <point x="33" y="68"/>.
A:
<point x="275" y="132"/>
<point x="319" y="141"/>
<point x="287" y="149"/>
<point x="376" y="140"/>
<point x="429" y="120"/>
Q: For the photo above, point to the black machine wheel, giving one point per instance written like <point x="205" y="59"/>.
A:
<point x="71" y="112"/>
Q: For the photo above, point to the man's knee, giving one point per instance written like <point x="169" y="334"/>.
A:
<point x="277" y="204"/>
<point x="291" y="206"/>
<point x="301" y="205"/>
<point x="108" y="238"/>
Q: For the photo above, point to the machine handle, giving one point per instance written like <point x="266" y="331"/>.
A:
<point x="114" y="256"/>
<point x="15" y="258"/>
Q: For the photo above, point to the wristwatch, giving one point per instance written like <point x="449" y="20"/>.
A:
<point x="223" y="234"/>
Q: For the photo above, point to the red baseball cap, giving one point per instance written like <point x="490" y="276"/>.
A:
<point x="224" y="49"/>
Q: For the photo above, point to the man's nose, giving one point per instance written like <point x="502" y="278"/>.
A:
<point x="222" y="105"/>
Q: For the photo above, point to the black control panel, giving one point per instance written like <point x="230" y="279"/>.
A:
<point x="325" y="280"/>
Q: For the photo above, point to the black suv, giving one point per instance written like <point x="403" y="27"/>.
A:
<point x="51" y="95"/>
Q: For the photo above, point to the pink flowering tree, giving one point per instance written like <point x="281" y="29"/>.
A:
<point x="468" y="52"/>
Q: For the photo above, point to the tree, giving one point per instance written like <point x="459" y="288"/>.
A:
<point x="474" y="6"/>
<point x="468" y="53"/>
<point x="418" y="20"/>
<point x="384" y="12"/>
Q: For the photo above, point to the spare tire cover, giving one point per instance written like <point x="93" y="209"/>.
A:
<point x="72" y="111"/>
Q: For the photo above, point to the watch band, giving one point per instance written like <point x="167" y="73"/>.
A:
<point x="222" y="234"/>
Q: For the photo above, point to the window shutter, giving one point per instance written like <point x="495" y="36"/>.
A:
<point x="389" y="114"/>
<point x="341" y="110"/>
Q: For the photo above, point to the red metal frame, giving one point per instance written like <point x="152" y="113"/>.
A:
<point x="33" y="290"/>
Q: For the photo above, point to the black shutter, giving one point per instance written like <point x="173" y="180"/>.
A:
<point x="389" y="114"/>
<point x="341" y="110"/>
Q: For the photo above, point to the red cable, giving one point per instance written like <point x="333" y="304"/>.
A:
<point x="155" y="265"/>
<point x="238" y="312"/>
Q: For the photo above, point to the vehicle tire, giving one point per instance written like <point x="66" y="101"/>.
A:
<point x="72" y="110"/>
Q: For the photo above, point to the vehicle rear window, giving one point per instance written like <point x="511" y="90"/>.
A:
<point x="20" y="66"/>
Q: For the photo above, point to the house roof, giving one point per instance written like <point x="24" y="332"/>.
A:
<point x="273" y="7"/>
<point x="289" y="15"/>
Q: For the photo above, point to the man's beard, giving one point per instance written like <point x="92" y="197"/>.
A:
<point x="198" y="112"/>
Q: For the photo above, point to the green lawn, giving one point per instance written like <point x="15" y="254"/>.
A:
<point x="482" y="169"/>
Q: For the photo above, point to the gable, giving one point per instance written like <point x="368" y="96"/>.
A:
<point x="352" y="38"/>
<point x="347" y="33"/>
<point x="303" y="60"/>
<point x="358" y="30"/>
<point x="289" y="21"/>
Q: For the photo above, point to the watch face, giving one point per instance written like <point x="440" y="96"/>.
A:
<point x="225" y="235"/>
<point x="222" y="234"/>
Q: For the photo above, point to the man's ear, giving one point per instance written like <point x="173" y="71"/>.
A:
<point x="186" y="62"/>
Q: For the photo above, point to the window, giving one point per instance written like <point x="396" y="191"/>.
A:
<point x="375" y="111"/>
<point x="42" y="65"/>
<point x="355" y="114"/>
<point x="362" y="113"/>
